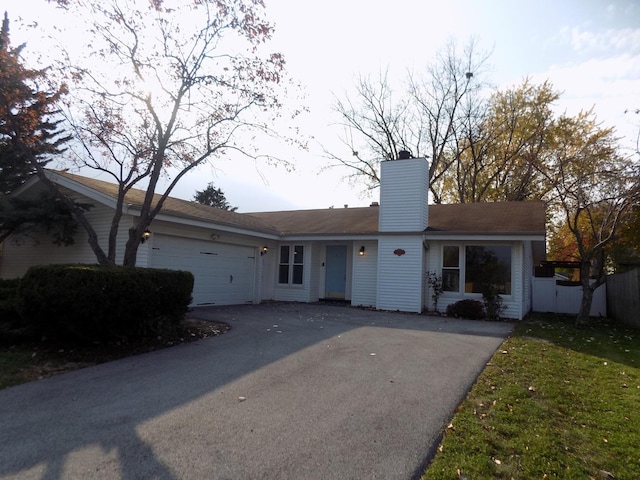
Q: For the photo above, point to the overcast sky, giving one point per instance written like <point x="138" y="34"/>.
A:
<point x="588" y="49"/>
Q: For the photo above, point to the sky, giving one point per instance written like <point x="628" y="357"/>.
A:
<point x="588" y="49"/>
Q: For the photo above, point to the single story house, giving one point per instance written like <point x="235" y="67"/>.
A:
<point x="378" y="256"/>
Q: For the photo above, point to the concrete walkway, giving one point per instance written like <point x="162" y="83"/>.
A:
<point x="293" y="391"/>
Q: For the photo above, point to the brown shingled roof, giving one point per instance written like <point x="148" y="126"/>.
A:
<point x="479" y="218"/>
<point x="499" y="217"/>
<point x="485" y="218"/>
<point x="178" y="207"/>
<point x="360" y="220"/>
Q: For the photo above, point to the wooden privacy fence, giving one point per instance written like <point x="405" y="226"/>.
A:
<point x="548" y="296"/>
<point x="623" y="297"/>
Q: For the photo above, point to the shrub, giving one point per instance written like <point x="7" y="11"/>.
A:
<point x="467" y="308"/>
<point x="435" y="284"/>
<point x="493" y="304"/>
<point x="93" y="303"/>
<point x="8" y="301"/>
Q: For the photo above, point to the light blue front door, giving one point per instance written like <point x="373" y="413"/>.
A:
<point x="336" y="271"/>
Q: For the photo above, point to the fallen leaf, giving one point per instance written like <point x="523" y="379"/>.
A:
<point x="605" y="474"/>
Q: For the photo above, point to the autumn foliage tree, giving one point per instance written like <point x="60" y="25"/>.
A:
<point x="28" y="128"/>
<point x="593" y="189"/>
<point x="30" y="136"/>
<point x="496" y="155"/>
<point x="162" y="87"/>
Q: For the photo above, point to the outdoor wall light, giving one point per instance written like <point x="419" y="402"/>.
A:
<point x="264" y="250"/>
<point x="146" y="235"/>
<point x="361" y="252"/>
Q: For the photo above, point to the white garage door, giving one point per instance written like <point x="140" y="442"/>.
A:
<point x="223" y="273"/>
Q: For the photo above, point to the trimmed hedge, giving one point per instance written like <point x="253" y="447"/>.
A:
<point x="95" y="303"/>
<point x="467" y="308"/>
<point x="8" y="301"/>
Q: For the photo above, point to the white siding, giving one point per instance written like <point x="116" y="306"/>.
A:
<point x="513" y="302"/>
<point x="316" y="271"/>
<point x="20" y="253"/>
<point x="404" y="195"/>
<point x="365" y="274"/>
<point x="527" y="278"/>
<point x="400" y="276"/>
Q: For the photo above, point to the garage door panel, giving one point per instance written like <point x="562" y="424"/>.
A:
<point x="223" y="273"/>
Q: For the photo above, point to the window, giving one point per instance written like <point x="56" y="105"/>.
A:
<point x="450" y="268"/>
<point x="487" y="266"/>
<point x="484" y="266"/>
<point x="291" y="267"/>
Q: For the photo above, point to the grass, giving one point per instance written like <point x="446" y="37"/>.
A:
<point x="554" y="402"/>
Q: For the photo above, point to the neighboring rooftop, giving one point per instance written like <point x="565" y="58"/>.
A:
<point x="480" y="218"/>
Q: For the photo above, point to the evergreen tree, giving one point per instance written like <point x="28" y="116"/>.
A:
<point x="214" y="197"/>
<point x="28" y="128"/>
<point x="29" y="137"/>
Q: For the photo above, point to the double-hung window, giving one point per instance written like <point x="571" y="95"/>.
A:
<point x="450" y="268"/>
<point x="291" y="267"/>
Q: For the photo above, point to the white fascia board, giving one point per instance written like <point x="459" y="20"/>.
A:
<point x="107" y="200"/>
<point x="486" y="237"/>
<point x="327" y="238"/>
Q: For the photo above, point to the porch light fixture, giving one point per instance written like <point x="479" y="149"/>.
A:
<point x="361" y="252"/>
<point x="264" y="250"/>
<point x="146" y="235"/>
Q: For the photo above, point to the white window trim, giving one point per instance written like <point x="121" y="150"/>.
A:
<point x="291" y="264"/>
<point x="462" y="268"/>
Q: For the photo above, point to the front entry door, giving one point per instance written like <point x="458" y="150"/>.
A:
<point x="336" y="271"/>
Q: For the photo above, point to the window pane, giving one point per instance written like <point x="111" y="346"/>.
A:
<point x="297" y="274"/>
<point x="283" y="274"/>
<point x="450" y="257"/>
<point x="284" y="254"/>
<point x="298" y="254"/>
<point x="488" y="267"/>
<point x="450" y="280"/>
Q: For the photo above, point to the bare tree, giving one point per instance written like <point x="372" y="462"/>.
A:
<point x="377" y="125"/>
<point x="423" y="119"/>
<point x="448" y="101"/>
<point x="166" y="86"/>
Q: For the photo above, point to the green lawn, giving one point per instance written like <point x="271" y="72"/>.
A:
<point x="553" y="402"/>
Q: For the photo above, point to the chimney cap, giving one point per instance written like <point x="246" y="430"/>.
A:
<point x="404" y="155"/>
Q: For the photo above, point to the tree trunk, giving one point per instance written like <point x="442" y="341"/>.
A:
<point x="131" y="249"/>
<point x="587" y="295"/>
<point x="78" y="213"/>
<point x="585" y="307"/>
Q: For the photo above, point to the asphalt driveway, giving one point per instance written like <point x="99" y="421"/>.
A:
<point x="293" y="391"/>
